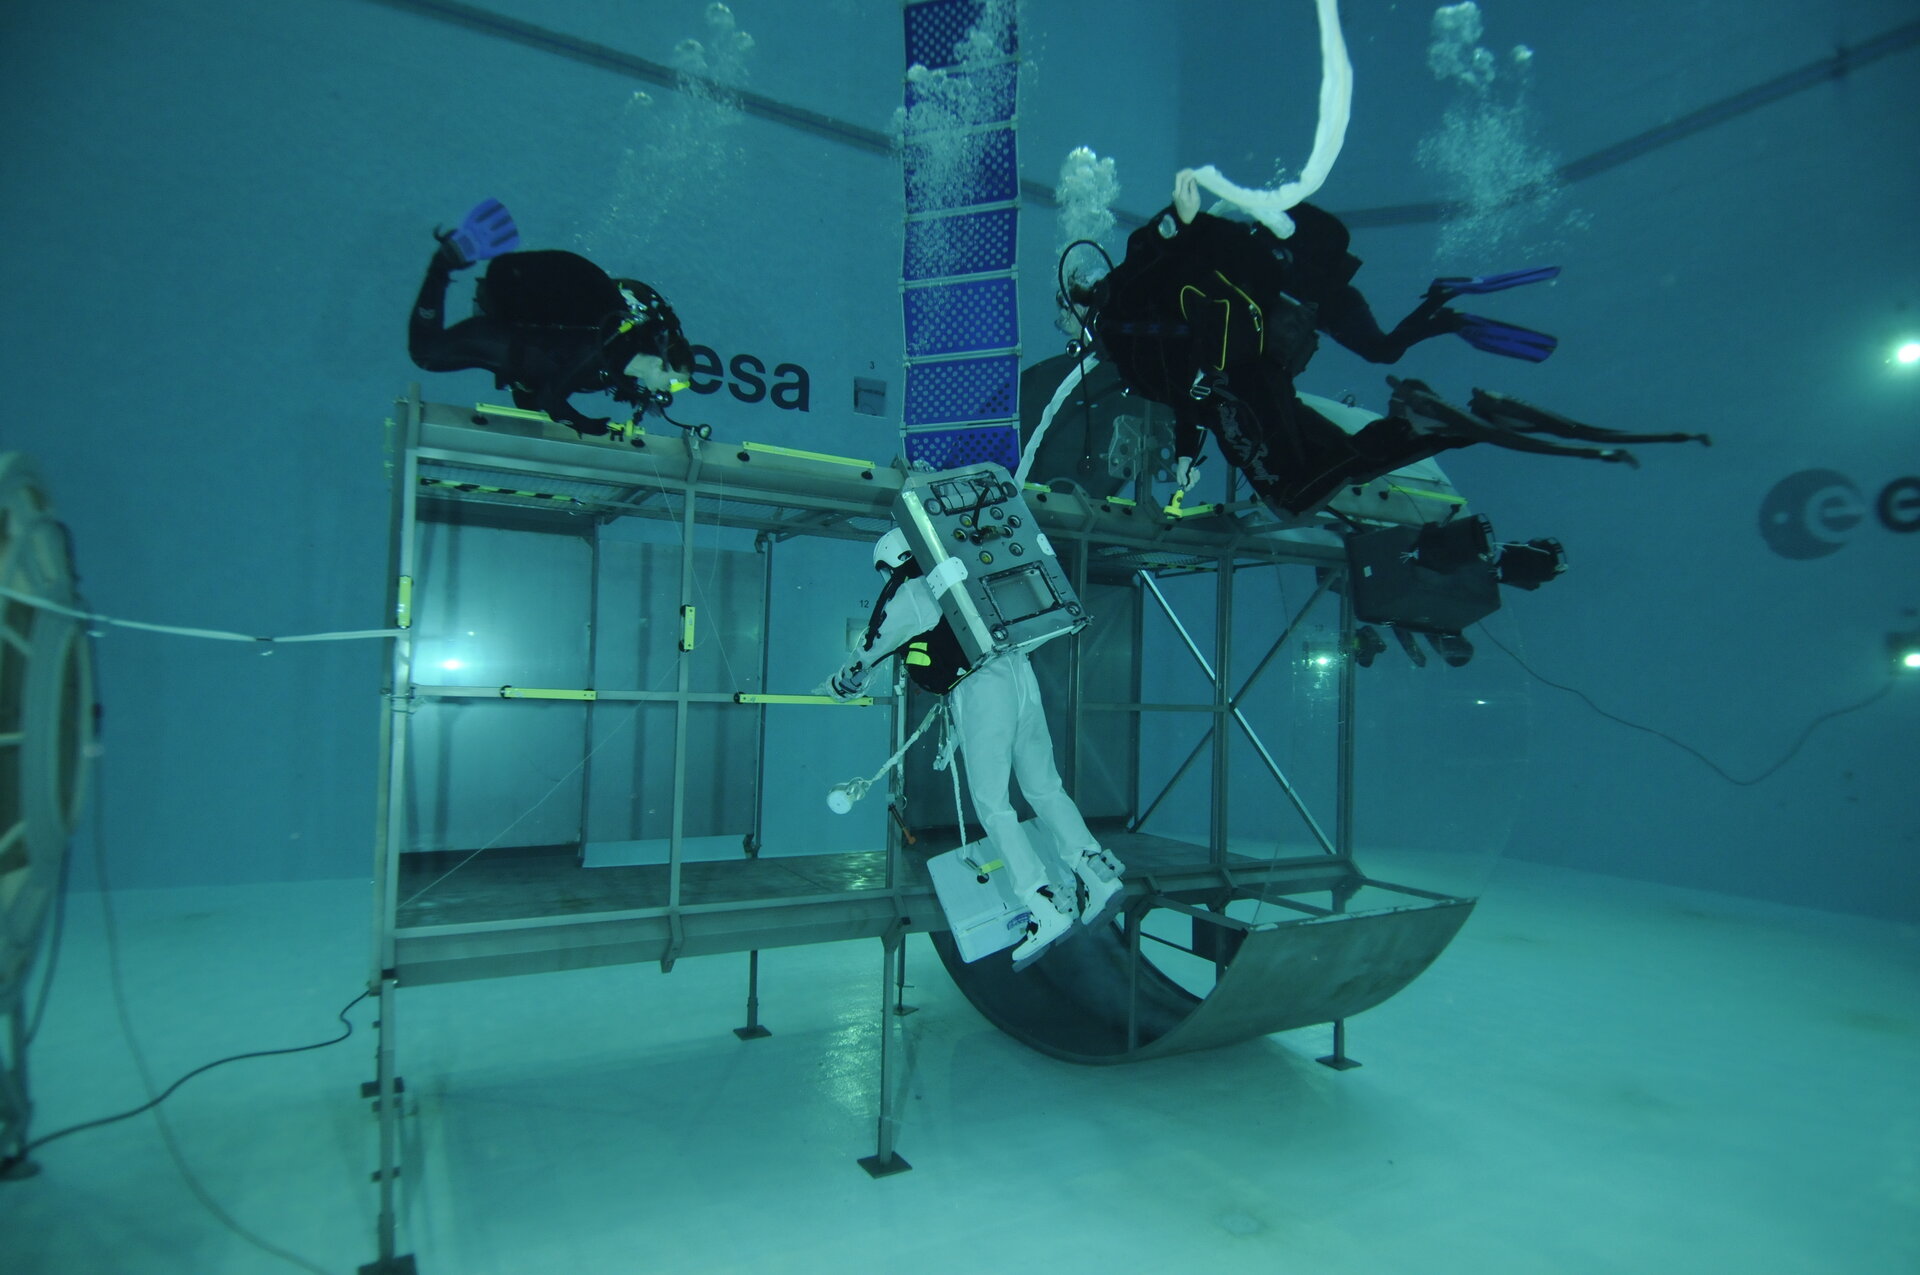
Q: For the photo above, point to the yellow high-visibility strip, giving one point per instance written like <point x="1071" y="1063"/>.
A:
<point x="1258" y="315"/>
<point x="686" y="628"/>
<point x="403" y="603"/>
<point x="1226" y="308"/>
<point x="516" y="413"/>
<point x="1195" y="512"/>
<point x="752" y="697"/>
<point x="617" y="431"/>
<point x="1448" y="497"/>
<point x="771" y="450"/>
<point x="528" y="692"/>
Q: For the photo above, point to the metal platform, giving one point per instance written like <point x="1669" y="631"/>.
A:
<point x="536" y="909"/>
<point x="446" y="915"/>
<point x="1297" y="940"/>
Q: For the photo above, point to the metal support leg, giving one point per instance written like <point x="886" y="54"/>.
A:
<point x="900" y="1008"/>
<point x="1338" y="1059"/>
<point x="753" y="1030"/>
<point x="885" y="1162"/>
<point x="16" y="1107"/>
<point x="386" y="1090"/>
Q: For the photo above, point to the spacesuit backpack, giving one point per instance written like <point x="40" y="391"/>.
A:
<point x="986" y="561"/>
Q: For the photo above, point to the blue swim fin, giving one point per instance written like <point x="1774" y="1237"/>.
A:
<point x="487" y="232"/>
<point x="1460" y="285"/>
<point x="1506" y="339"/>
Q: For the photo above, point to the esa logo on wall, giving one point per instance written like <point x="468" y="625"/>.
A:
<point x="745" y="377"/>
<point x="1815" y="512"/>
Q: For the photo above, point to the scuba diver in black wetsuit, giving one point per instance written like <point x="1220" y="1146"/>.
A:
<point x="548" y="325"/>
<point x="1215" y="318"/>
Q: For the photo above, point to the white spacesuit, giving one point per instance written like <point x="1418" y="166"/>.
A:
<point x="1002" y="729"/>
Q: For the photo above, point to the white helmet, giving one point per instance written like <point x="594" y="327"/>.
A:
<point x="891" y="550"/>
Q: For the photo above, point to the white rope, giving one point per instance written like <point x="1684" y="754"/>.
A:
<point x="855" y="789"/>
<point x="220" y="635"/>
<point x="950" y="758"/>
<point x="1269" y="207"/>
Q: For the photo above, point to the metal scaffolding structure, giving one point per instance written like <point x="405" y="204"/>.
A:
<point x="458" y="913"/>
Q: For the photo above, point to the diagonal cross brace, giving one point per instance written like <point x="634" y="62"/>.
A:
<point x="1233" y="706"/>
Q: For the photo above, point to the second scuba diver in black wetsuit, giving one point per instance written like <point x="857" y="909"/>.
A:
<point x="549" y="325"/>
<point x="1216" y="317"/>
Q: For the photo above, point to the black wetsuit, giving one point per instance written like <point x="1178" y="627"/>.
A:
<point x="548" y="328"/>
<point x="1215" y="318"/>
<point x="936" y="662"/>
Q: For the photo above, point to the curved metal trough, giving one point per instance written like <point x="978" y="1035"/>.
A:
<point x="1095" y="999"/>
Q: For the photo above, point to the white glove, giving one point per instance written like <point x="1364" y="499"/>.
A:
<point x="848" y="682"/>
<point x="1186" y="195"/>
<point x="1186" y="473"/>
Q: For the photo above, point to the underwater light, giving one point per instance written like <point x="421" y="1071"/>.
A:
<point x="1903" y="649"/>
<point x="451" y="665"/>
<point x="1320" y="654"/>
<point x="1908" y="353"/>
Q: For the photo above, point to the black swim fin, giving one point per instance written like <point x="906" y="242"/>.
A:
<point x="1415" y="401"/>
<point x="1514" y="414"/>
<point x="1412" y="648"/>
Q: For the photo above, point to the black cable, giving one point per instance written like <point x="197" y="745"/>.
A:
<point x="1080" y="344"/>
<point x="37" y="1143"/>
<point x="1704" y="760"/>
<point x="111" y="930"/>
<point x="1064" y="297"/>
<point x="701" y="431"/>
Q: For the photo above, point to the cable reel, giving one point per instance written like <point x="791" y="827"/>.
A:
<point x="47" y="703"/>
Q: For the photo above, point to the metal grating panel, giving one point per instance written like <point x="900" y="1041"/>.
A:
<point x="965" y="243"/>
<point x="964" y="390"/>
<point x="953" y="173"/>
<point x="936" y="27"/>
<point x="957" y="448"/>
<point x="963" y="98"/>
<point x="957" y="318"/>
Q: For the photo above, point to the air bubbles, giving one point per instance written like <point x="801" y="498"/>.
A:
<point x="690" y="57"/>
<point x="1499" y="179"/>
<point x="725" y="33"/>
<point x="679" y="149"/>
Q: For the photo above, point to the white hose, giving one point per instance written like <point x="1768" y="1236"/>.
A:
<point x="1046" y="418"/>
<point x="1269" y="207"/>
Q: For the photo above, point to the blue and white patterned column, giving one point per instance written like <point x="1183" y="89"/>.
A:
<point x="958" y="286"/>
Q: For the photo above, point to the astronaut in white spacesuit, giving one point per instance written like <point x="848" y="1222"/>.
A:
<point x="1002" y="730"/>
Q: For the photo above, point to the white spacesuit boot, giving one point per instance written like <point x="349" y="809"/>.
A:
<point x="1099" y="872"/>
<point x="1052" y="919"/>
